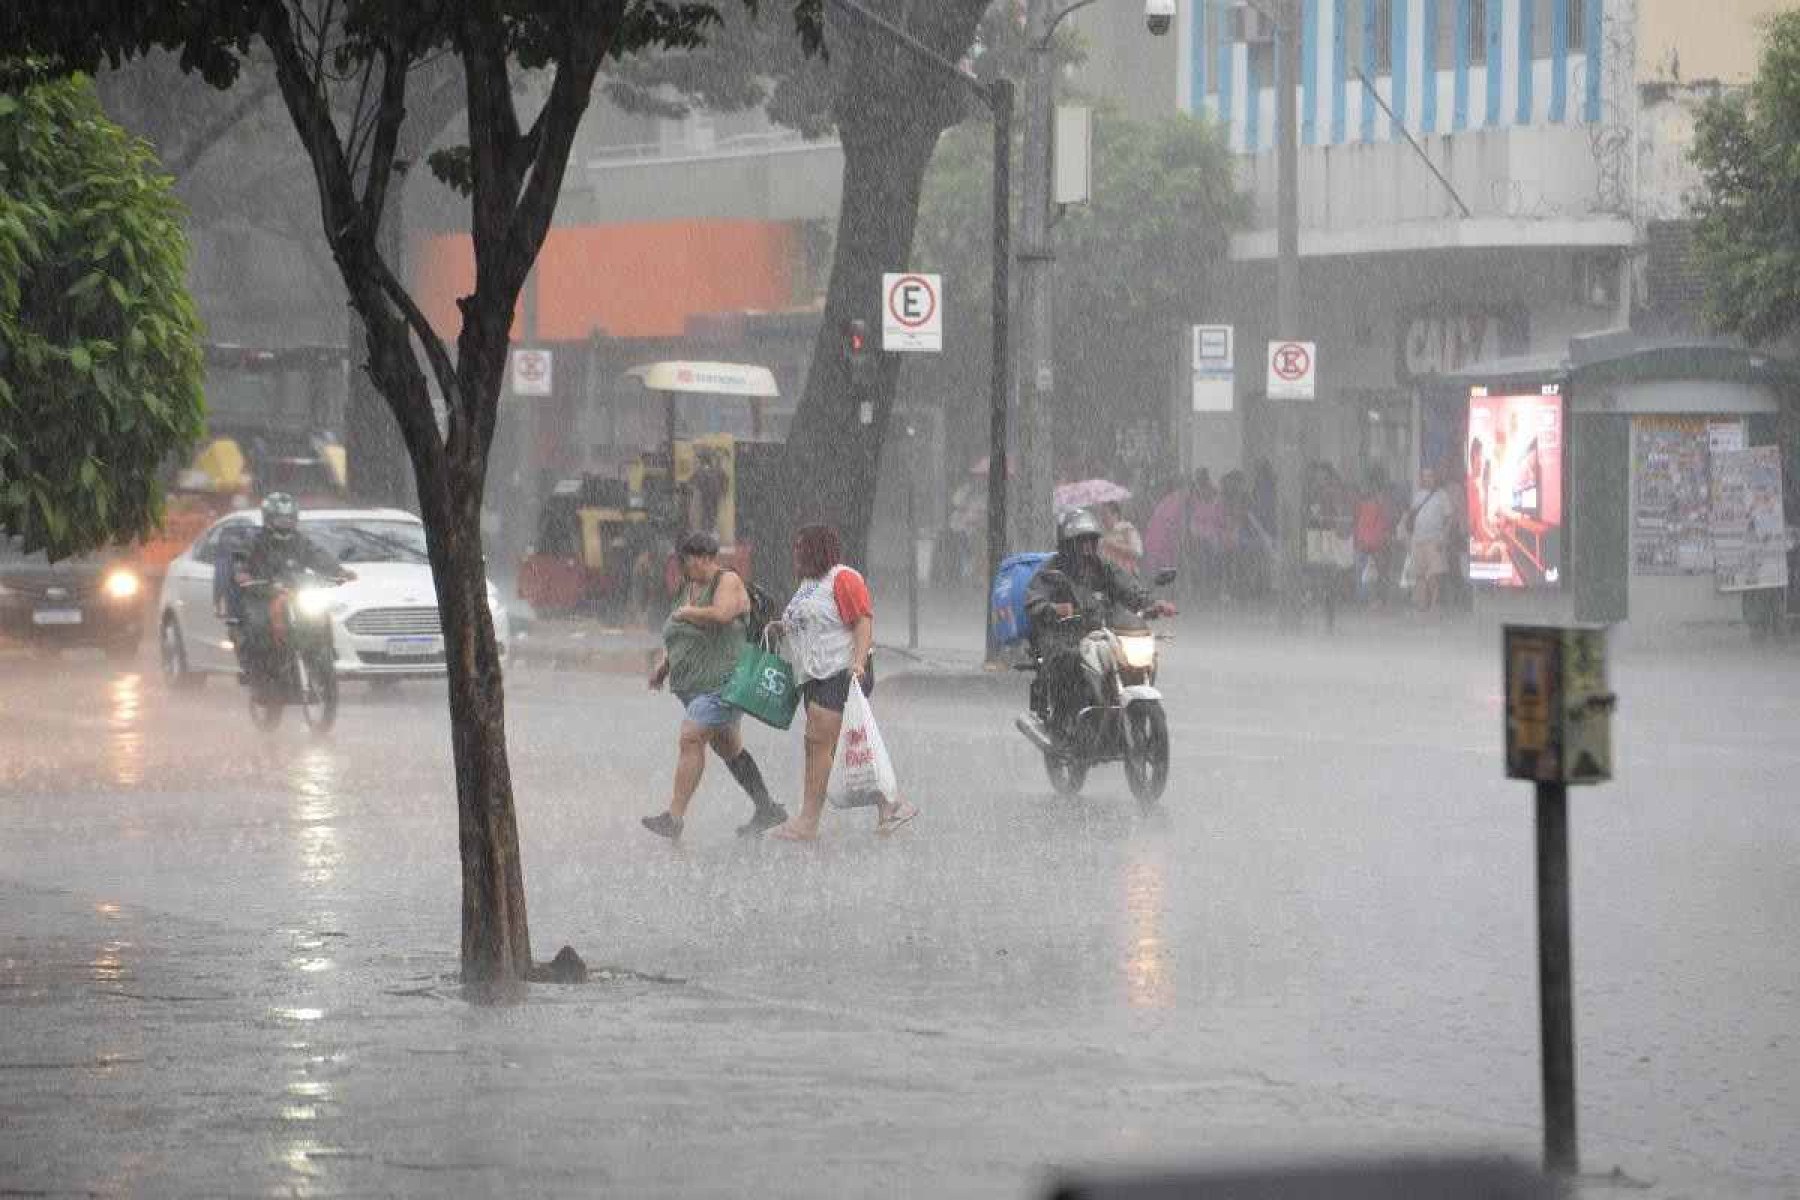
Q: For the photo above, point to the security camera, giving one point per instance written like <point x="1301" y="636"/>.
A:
<point x="1159" y="15"/>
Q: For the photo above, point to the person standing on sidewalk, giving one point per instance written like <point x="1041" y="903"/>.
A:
<point x="830" y="629"/>
<point x="701" y="641"/>
<point x="1428" y="528"/>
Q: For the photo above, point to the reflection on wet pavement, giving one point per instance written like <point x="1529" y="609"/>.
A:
<point x="1150" y="983"/>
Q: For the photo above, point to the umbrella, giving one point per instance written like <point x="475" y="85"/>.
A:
<point x="1090" y="492"/>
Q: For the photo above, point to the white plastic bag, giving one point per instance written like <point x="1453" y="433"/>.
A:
<point x="862" y="774"/>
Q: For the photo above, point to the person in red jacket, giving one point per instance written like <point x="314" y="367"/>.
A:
<point x="1373" y="537"/>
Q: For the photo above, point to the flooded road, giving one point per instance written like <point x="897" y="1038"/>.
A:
<point x="229" y="958"/>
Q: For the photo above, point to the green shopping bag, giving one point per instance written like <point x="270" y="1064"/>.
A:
<point x="763" y="685"/>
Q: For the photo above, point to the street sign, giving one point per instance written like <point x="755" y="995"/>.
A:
<point x="1293" y="370"/>
<point x="531" y="372"/>
<point x="1072" y="174"/>
<point x="1214" y="368"/>
<point x="912" y="312"/>
<point x="1558" y="707"/>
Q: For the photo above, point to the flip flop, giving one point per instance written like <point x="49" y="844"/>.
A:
<point x="787" y="833"/>
<point x="894" y="820"/>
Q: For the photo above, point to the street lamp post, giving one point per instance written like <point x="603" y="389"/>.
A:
<point x="1290" y="499"/>
<point x="1034" y="523"/>
<point x="1286" y="421"/>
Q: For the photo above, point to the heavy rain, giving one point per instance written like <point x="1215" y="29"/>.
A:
<point x="879" y="597"/>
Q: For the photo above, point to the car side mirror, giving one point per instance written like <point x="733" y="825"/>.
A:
<point x="1165" y="577"/>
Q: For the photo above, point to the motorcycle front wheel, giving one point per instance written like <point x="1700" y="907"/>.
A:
<point x="265" y="704"/>
<point x="1146" y="751"/>
<point x="318" y="691"/>
<point x="1066" y="775"/>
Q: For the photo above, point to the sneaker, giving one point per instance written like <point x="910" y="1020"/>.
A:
<point x="763" y="818"/>
<point x="663" y="825"/>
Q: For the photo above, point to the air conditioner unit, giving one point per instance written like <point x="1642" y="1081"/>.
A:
<point x="1244" y="23"/>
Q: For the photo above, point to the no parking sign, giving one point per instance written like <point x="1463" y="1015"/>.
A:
<point x="912" y="312"/>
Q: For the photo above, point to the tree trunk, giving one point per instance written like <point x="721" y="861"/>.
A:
<point x="833" y="459"/>
<point x="496" y="942"/>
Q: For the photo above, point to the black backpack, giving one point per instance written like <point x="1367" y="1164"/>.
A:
<point x="763" y="610"/>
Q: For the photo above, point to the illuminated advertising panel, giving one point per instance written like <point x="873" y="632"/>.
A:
<point x="1514" y="488"/>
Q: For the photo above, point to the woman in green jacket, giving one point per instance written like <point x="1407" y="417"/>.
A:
<point x="701" y="641"/>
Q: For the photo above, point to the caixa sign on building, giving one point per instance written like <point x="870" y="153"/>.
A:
<point x="1437" y="342"/>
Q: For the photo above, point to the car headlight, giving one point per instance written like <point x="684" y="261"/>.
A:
<point x="312" y="602"/>
<point x="1138" y="650"/>
<point x="123" y="585"/>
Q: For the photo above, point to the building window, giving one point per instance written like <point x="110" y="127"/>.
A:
<point x="1384" y="36"/>
<point x="1477" y="32"/>
<point x="1209" y="45"/>
<point x="1577" y="26"/>
<point x="1446" y="32"/>
<point x="1541" y="17"/>
<point x="1352" y="37"/>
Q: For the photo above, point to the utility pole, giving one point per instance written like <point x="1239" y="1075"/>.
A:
<point x="1288" y="424"/>
<point x="1034" y="522"/>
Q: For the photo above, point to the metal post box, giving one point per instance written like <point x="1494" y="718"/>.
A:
<point x="1558" y="708"/>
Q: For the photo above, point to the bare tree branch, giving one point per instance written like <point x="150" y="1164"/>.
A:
<point x="201" y="143"/>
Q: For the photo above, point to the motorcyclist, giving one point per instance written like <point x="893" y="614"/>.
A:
<point x="1077" y="582"/>
<point x="278" y="553"/>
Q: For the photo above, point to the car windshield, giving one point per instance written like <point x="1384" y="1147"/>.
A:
<point x="369" y="541"/>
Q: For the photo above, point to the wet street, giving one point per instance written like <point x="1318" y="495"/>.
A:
<point x="227" y="959"/>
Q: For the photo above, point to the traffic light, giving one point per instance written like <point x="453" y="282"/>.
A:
<point x="856" y="344"/>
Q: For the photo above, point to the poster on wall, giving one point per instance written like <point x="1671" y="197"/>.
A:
<point x="1514" y="488"/>
<point x="1671" y="502"/>
<point x="1749" y="528"/>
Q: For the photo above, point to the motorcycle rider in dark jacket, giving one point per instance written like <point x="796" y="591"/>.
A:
<point x="1094" y="586"/>
<point x="279" y="552"/>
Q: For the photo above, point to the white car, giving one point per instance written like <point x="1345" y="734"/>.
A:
<point x="384" y="623"/>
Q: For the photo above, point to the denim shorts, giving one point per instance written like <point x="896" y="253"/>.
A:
<point x="708" y="711"/>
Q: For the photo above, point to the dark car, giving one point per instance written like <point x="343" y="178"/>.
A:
<point x="96" y="600"/>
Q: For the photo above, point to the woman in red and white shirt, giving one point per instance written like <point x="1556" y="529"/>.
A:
<point x="830" y="629"/>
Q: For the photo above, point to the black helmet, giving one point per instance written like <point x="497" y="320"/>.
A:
<point x="280" y="514"/>
<point x="1075" y="524"/>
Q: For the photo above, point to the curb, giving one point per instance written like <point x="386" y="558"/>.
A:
<point x="604" y="660"/>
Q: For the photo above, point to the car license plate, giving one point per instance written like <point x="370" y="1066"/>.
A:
<point x="56" y="616"/>
<point x="422" y="646"/>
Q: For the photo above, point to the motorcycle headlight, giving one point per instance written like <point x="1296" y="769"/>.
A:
<point x="122" y="585"/>
<point x="1138" y="650"/>
<point x="312" y="602"/>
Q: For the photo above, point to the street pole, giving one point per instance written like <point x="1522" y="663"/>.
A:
<point x="1000" y="101"/>
<point x="1034" y="525"/>
<point x="1290" y="530"/>
<point x="912" y="538"/>
<point x="1556" y="1003"/>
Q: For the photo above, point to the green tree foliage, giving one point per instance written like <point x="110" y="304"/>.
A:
<point x="1134" y="266"/>
<point x="1747" y="147"/>
<point x="100" y="362"/>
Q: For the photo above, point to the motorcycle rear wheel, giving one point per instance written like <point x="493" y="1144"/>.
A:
<point x="1146" y="752"/>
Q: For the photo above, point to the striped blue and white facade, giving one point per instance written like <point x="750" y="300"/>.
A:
<point x="1441" y="66"/>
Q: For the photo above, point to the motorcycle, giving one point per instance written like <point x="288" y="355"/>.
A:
<point x="298" y="668"/>
<point x="1121" y="719"/>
